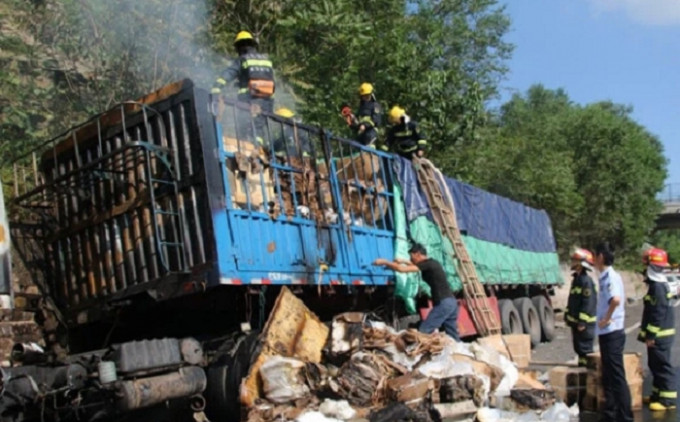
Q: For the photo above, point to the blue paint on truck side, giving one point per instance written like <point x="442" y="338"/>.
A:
<point x="172" y="195"/>
<point x="290" y="248"/>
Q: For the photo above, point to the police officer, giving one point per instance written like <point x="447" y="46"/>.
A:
<point x="612" y="338"/>
<point x="255" y="75"/>
<point x="403" y="137"/>
<point x="582" y="305"/>
<point x="658" y="330"/>
<point x="369" y="116"/>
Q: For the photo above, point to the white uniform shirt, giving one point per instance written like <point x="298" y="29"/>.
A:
<point x="610" y="285"/>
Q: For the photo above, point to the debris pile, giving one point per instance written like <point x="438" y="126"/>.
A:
<point x="363" y="370"/>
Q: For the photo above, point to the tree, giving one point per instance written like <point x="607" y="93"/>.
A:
<point x="619" y="168"/>
<point x="593" y="168"/>
<point x="80" y="57"/>
<point x="525" y="156"/>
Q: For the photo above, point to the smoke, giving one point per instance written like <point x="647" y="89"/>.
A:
<point x="153" y="42"/>
<point x="156" y="42"/>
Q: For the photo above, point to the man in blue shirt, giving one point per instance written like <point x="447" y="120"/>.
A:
<point x="612" y="338"/>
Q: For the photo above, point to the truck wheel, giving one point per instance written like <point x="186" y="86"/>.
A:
<point x="546" y="316"/>
<point x="510" y="321"/>
<point x="530" y="320"/>
<point x="224" y="380"/>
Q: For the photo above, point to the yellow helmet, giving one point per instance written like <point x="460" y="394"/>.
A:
<point x="244" y="36"/>
<point x="395" y="115"/>
<point x="365" y="89"/>
<point x="285" y="112"/>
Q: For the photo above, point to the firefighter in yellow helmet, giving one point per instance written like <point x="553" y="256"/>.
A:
<point x="403" y="137"/>
<point x="254" y="73"/>
<point x="368" y="119"/>
<point x="292" y="140"/>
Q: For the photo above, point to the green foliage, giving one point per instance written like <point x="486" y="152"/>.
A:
<point x="594" y="169"/>
<point x="65" y="60"/>
<point x="439" y="59"/>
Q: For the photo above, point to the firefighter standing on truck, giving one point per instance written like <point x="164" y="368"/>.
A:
<point x="582" y="305"/>
<point x="403" y="137"/>
<point x="657" y="330"/>
<point x="368" y="119"/>
<point x="255" y="75"/>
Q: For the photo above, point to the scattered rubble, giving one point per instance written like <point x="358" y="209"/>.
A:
<point x="363" y="370"/>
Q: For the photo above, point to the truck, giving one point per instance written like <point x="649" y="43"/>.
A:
<point x="161" y="231"/>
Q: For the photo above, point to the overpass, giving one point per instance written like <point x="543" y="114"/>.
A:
<point x="669" y="218"/>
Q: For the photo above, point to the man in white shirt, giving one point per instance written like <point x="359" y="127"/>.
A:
<point x="612" y="338"/>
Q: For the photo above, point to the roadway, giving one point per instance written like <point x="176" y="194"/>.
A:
<point x="560" y="349"/>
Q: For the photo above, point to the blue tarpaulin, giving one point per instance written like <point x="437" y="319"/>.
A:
<point x="481" y="214"/>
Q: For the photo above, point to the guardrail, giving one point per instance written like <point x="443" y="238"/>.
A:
<point x="670" y="193"/>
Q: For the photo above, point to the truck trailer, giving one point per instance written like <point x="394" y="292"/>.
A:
<point x="160" y="233"/>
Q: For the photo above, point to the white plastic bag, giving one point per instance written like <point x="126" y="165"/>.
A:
<point x="315" y="417"/>
<point x="337" y="409"/>
<point x="282" y="379"/>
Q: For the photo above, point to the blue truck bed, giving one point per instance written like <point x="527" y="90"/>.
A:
<point x="173" y="195"/>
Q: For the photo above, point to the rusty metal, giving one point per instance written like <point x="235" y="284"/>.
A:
<point x="145" y="392"/>
<point x="110" y="197"/>
<point x="28" y="353"/>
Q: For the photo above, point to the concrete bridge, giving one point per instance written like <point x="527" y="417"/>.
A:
<point x="669" y="218"/>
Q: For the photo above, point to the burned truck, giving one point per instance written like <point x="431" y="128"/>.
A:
<point x="160" y="233"/>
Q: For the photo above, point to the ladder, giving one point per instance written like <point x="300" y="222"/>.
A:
<point x="444" y="214"/>
<point x="165" y="185"/>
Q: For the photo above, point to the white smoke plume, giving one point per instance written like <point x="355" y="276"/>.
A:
<point x="157" y="41"/>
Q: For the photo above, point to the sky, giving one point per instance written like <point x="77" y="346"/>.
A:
<point x="626" y="51"/>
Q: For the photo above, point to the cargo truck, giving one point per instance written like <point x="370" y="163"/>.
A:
<point x="161" y="231"/>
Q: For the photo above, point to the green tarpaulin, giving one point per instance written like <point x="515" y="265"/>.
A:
<point x="495" y="263"/>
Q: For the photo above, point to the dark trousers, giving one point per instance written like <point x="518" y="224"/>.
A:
<point x="617" y="402"/>
<point x="253" y="127"/>
<point x="659" y="361"/>
<point x="583" y="342"/>
<point x="368" y="136"/>
<point x="443" y="315"/>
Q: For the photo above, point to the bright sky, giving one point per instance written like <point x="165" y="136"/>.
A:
<point x="627" y="51"/>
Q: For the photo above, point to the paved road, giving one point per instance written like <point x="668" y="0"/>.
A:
<point x="561" y="350"/>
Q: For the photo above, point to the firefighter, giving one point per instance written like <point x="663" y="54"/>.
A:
<point x="582" y="305"/>
<point x="368" y="118"/>
<point x="403" y="137"/>
<point x="291" y="141"/>
<point x="255" y="75"/>
<point x="658" y="330"/>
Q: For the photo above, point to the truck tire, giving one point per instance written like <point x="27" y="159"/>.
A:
<point x="529" y="316"/>
<point x="224" y="379"/>
<point x="510" y="320"/>
<point x="546" y="316"/>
